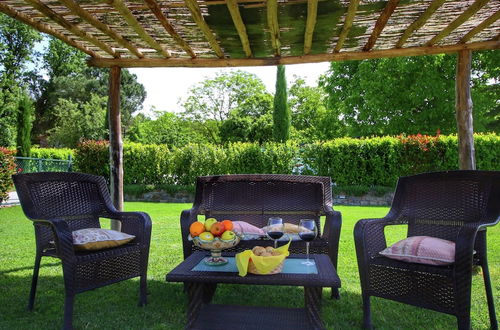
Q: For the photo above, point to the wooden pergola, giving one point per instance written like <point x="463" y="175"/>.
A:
<point x="230" y="33"/>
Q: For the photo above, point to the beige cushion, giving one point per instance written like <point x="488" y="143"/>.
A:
<point x="97" y="238"/>
<point x="423" y="250"/>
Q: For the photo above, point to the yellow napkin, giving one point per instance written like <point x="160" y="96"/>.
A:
<point x="263" y="264"/>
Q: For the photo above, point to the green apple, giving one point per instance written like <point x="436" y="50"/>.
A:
<point x="209" y="222"/>
<point x="228" y="235"/>
<point x="206" y="236"/>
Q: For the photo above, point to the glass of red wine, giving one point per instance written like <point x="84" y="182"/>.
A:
<point x="275" y="229"/>
<point x="307" y="232"/>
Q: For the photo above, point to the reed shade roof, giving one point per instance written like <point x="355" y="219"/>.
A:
<point x="215" y="33"/>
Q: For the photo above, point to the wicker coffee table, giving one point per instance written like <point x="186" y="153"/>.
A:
<point x="200" y="285"/>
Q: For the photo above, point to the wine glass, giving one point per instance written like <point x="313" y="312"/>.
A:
<point x="307" y="232"/>
<point x="275" y="229"/>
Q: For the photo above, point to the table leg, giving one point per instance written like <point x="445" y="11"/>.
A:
<point x="195" y="292"/>
<point x="313" y="296"/>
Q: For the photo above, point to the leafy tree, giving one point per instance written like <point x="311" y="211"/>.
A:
<point x="408" y="94"/>
<point x="167" y="129"/>
<point x="239" y="128"/>
<point x="311" y="118"/>
<point x="228" y="95"/>
<point x="17" y="42"/>
<point x="281" y="113"/>
<point x="78" y="121"/>
<point x="71" y="79"/>
<point x="24" y="125"/>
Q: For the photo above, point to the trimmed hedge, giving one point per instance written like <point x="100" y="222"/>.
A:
<point x="52" y="153"/>
<point x="365" y="162"/>
<point x="7" y="169"/>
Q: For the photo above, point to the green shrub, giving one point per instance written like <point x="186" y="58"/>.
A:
<point x="92" y="157"/>
<point x="52" y="153"/>
<point x="145" y="163"/>
<point x="7" y="169"/>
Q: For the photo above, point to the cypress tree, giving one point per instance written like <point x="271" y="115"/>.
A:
<point x="24" y="124"/>
<point x="281" y="112"/>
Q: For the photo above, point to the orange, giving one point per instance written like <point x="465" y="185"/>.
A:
<point x="196" y="228"/>
<point x="228" y="224"/>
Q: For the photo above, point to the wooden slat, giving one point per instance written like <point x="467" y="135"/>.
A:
<point x="483" y="25"/>
<point x="44" y="9"/>
<point x="312" y="12"/>
<point x="232" y="6"/>
<point x="89" y="18"/>
<point x="274" y="28"/>
<point x="419" y="22"/>
<point x="45" y="29"/>
<point x="129" y="17"/>
<point x="463" y="106"/>
<point x="155" y="8"/>
<point x="474" y="8"/>
<point x="341" y="56"/>
<point x="197" y="16"/>
<point x="349" y="18"/>
<point x="380" y="24"/>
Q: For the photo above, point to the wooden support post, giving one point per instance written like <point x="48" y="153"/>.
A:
<point x="463" y="105"/>
<point x="115" y="142"/>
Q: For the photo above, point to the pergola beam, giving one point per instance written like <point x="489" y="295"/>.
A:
<point x="349" y="19"/>
<point x="232" y="6"/>
<point x="155" y="8"/>
<point x="381" y="23"/>
<point x="274" y="28"/>
<point x="79" y="11"/>
<point x="312" y="12"/>
<point x="483" y="25"/>
<point x="463" y="105"/>
<point x="197" y="16"/>
<point x="45" y="29"/>
<point x="419" y="22"/>
<point x="48" y="12"/>
<point x="474" y="8"/>
<point x="342" y="56"/>
<point x="138" y="28"/>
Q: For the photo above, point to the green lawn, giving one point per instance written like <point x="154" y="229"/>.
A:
<point x="115" y="306"/>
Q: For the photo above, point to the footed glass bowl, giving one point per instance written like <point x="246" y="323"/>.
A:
<point x="215" y="247"/>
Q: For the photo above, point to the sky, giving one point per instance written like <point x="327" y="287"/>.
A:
<point x="165" y="87"/>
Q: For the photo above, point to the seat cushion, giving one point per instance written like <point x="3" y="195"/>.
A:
<point x="90" y="239"/>
<point x="423" y="250"/>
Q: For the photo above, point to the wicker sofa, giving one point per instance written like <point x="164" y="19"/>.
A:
<point x="254" y="198"/>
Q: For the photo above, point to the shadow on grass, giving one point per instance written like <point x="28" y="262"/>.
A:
<point x="115" y="306"/>
<point x="30" y="268"/>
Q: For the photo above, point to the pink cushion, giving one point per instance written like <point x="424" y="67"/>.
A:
<point x="422" y="250"/>
<point x="245" y="228"/>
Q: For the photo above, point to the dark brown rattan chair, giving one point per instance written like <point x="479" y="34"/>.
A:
<point x="59" y="203"/>
<point x="456" y="206"/>
<point x="256" y="197"/>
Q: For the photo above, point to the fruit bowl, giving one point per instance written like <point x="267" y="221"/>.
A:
<point x="215" y="247"/>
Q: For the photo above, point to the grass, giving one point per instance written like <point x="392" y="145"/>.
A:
<point x="115" y="306"/>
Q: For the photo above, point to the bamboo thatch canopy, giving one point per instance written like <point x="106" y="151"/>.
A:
<point x="217" y="33"/>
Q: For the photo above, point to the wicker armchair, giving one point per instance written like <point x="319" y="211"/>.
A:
<point x="256" y="197"/>
<point x="456" y="206"/>
<point x="59" y="203"/>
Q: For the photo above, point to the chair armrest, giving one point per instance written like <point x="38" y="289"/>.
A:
<point x="187" y="218"/>
<point x="63" y="237"/>
<point x="369" y="236"/>
<point x="331" y="233"/>
<point x="135" y="223"/>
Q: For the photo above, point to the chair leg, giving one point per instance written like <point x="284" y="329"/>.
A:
<point x="335" y="293"/>
<point x="489" y="297"/>
<point x="68" y="311"/>
<point x="34" y="281"/>
<point x="367" y="314"/>
<point x="463" y="322"/>
<point x="143" y="294"/>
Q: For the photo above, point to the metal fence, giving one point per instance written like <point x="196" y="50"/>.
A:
<point x="32" y="165"/>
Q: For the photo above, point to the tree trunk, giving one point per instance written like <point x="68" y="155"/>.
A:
<point x="463" y="105"/>
<point x="115" y="143"/>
